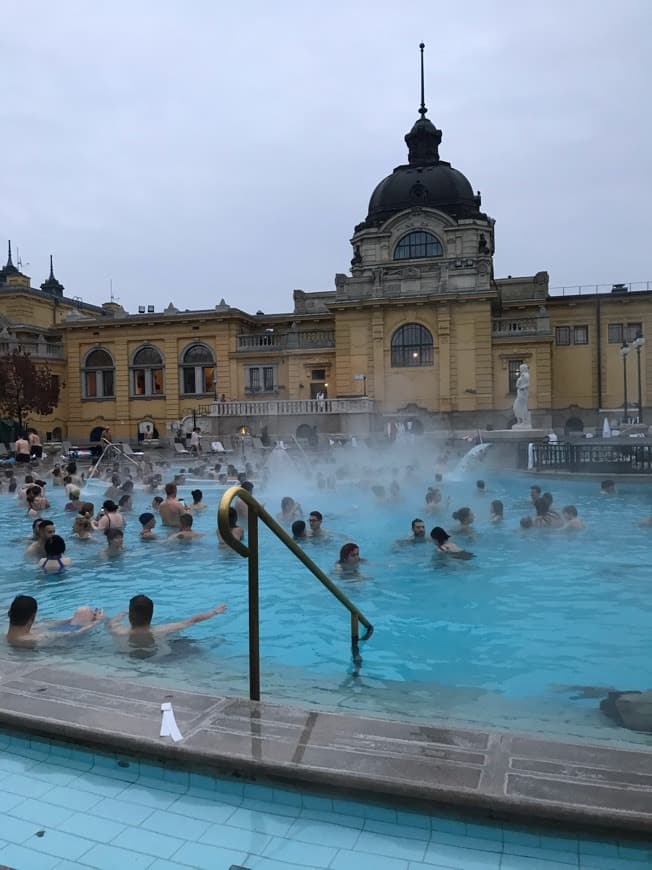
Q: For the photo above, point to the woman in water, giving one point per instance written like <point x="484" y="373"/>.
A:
<point x="464" y="517"/>
<point x="546" y="517"/>
<point x="349" y="559"/>
<point x="449" y="548"/>
<point x="125" y="504"/>
<point x="109" y="518"/>
<point x="236" y="530"/>
<point x="290" y="511"/>
<point x="197" y="500"/>
<point x="496" y="515"/>
<point x="55" y="562"/>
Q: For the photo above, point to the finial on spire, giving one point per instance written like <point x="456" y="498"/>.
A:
<point x="52" y="286"/>
<point x="422" y="108"/>
<point x="9" y="263"/>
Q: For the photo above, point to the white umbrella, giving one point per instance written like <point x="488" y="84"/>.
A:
<point x="606" y="428"/>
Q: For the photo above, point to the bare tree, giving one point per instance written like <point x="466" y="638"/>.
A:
<point x="26" y="388"/>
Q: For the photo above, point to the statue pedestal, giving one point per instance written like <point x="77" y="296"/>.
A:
<point x="523" y="427"/>
<point x="514" y="434"/>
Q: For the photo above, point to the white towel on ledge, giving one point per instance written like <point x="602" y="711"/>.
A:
<point x="169" y="727"/>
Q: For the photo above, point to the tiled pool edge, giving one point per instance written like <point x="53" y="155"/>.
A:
<point x="500" y="774"/>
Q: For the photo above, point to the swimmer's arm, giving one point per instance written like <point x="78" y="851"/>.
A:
<point x="169" y="627"/>
<point x="113" y="624"/>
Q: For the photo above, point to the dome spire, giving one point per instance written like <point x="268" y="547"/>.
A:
<point x="10" y="269"/>
<point x="422" y="108"/>
<point x="52" y="286"/>
<point x="424" y="138"/>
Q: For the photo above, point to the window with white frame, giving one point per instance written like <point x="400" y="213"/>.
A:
<point x="261" y="379"/>
<point x="198" y="371"/>
<point x="98" y="375"/>
<point x="146" y="372"/>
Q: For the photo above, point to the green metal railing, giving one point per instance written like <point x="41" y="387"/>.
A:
<point x="250" y="552"/>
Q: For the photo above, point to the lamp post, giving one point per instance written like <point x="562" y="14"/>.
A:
<point x="624" y="350"/>
<point x="638" y="343"/>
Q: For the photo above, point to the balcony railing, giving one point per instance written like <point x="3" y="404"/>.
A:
<point x="515" y="327"/>
<point x="41" y="349"/>
<point x="271" y="341"/>
<point x="285" y="407"/>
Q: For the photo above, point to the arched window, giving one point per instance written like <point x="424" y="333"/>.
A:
<point x="412" y="346"/>
<point x="418" y="244"/>
<point x="146" y="373"/>
<point x="97" y="375"/>
<point x="198" y="371"/>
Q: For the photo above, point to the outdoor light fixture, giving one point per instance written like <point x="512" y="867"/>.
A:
<point x="624" y="350"/>
<point x="638" y="343"/>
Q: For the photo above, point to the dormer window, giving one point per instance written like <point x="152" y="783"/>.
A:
<point x="418" y="245"/>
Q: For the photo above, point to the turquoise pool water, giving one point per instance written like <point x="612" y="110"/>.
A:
<point x="527" y="635"/>
<point x="63" y="807"/>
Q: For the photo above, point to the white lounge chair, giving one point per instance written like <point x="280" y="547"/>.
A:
<point x="218" y="447"/>
<point x="180" y="449"/>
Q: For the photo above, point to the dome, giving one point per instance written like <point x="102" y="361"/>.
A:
<point x="424" y="181"/>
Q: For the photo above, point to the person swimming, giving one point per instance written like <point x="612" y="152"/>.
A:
<point x="464" y="517"/>
<point x="349" y="559"/>
<point x="446" y="546"/>
<point x="496" y="515"/>
<point x="299" y="530"/>
<point x="54" y="562"/>
<point x="148" y="522"/>
<point x="236" y="530"/>
<point x="571" y="520"/>
<point x="22" y="615"/>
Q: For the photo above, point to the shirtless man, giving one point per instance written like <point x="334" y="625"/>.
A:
<point x="186" y="531"/>
<point x="35" y="446"/>
<point x="44" y="531"/>
<point x="172" y="509"/>
<point x="22" y="449"/>
<point x="141" y="610"/>
<point x="418" y="535"/>
<point x="22" y="614"/>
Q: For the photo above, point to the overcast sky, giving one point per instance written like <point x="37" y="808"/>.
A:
<point x="188" y="150"/>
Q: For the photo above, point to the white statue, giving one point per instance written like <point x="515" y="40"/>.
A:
<point x="520" y="407"/>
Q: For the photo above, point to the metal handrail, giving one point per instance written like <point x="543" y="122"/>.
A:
<point x="250" y="551"/>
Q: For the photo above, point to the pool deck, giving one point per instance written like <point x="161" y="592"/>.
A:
<point x="499" y="774"/>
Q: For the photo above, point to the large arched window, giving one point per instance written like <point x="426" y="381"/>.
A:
<point x="197" y="370"/>
<point x="412" y="346"/>
<point x="146" y="373"/>
<point x="97" y="375"/>
<point x="418" y="244"/>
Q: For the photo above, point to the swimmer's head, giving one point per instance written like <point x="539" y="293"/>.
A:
<point x="248" y="485"/>
<point x="197" y="496"/>
<point x="147" y="520"/>
<point x="23" y="610"/>
<point x="170" y="489"/>
<point x="526" y="522"/>
<point x="298" y="529"/>
<point x="418" y="528"/>
<point x="185" y="521"/>
<point x="570" y="511"/>
<point x="439" y="536"/>
<point x="55" y="546"/>
<point x="607" y="487"/>
<point x="141" y="610"/>
<point x="497" y="507"/>
<point x="464" y="516"/>
<point x="287" y="503"/>
<point x="480" y="485"/>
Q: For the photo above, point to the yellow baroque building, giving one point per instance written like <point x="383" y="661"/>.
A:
<point x="419" y="331"/>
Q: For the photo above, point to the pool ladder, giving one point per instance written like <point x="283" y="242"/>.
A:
<point x="249" y="551"/>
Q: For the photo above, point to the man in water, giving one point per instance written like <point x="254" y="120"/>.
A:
<point x="172" y="509"/>
<point x="148" y="522"/>
<point x="22" y="614"/>
<point x="186" y="531"/>
<point x="315" y="520"/>
<point x="535" y="493"/>
<point x="44" y="531"/>
<point x="418" y="535"/>
<point x="140" y="613"/>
